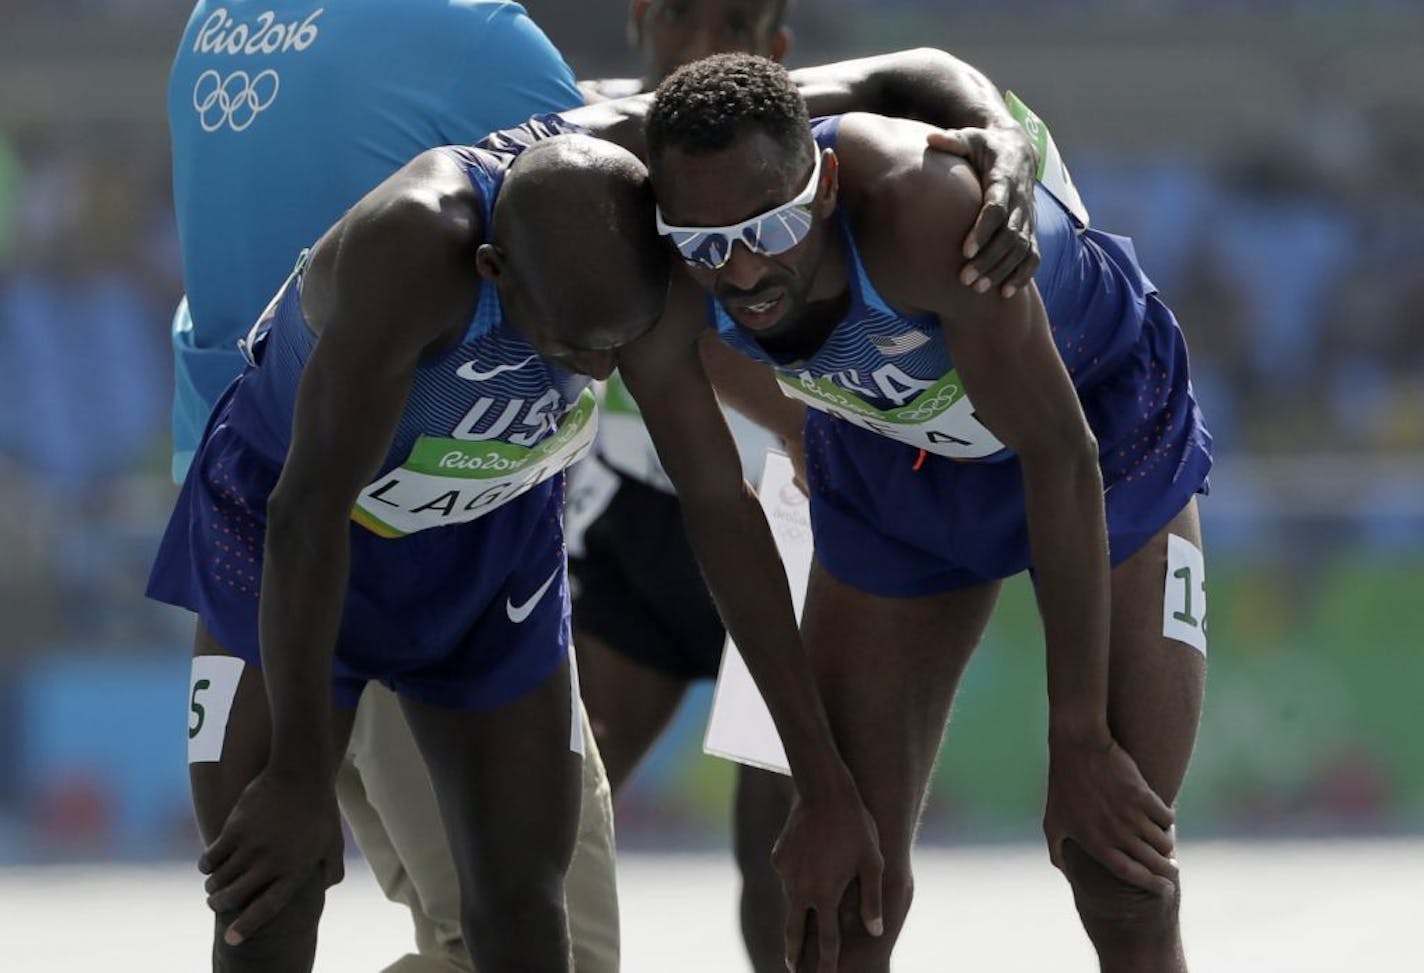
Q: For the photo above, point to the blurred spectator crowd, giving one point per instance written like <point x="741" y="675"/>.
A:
<point x="1295" y="262"/>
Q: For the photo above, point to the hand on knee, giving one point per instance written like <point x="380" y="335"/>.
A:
<point x="897" y="890"/>
<point x="286" y="943"/>
<point x="1113" y="909"/>
<point x="860" y="952"/>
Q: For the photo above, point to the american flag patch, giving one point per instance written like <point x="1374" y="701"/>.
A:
<point x="899" y="344"/>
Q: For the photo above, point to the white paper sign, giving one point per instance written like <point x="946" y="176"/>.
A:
<point x="210" y="694"/>
<point x="1184" y="597"/>
<point x="740" y="727"/>
<point x="575" y="708"/>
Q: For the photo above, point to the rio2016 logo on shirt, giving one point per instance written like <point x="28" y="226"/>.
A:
<point x="236" y="99"/>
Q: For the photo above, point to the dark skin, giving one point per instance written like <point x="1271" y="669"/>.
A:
<point x="930" y="86"/>
<point x="388" y="286"/>
<point x="629" y="704"/>
<point x="330" y="461"/>
<point x="1109" y="786"/>
<point x="729" y="534"/>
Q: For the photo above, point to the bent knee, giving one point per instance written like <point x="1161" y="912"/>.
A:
<point x="860" y="951"/>
<point x="517" y="929"/>
<point x="286" y="942"/>
<point x="527" y="905"/>
<point x="1108" y="905"/>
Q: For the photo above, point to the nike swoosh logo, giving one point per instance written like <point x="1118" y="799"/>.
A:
<point x="467" y="370"/>
<point x="518" y="613"/>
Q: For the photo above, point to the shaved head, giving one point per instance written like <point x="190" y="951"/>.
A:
<point x="574" y="219"/>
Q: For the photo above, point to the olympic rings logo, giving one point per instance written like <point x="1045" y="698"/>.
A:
<point x="234" y="101"/>
<point x="931" y="407"/>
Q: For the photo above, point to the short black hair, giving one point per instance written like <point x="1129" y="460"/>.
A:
<point x="703" y="107"/>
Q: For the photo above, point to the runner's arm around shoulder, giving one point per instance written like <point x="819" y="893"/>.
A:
<point x="932" y="86"/>
<point x="924" y="84"/>
<point x="383" y="286"/>
<point x="1005" y="356"/>
<point x="728" y="530"/>
<point x="618" y="120"/>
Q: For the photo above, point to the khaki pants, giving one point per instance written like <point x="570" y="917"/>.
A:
<point x="387" y="800"/>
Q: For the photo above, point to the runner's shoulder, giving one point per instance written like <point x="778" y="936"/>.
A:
<point x="886" y="162"/>
<point x="911" y="206"/>
<point x="427" y="210"/>
<point x="409" y="242"/>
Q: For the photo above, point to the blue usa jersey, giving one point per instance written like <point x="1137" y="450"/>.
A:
<point x="484" y="411"/>
<point x="457" y="592"/>
<point x="896" y="508"/>
<point x="891" y="373"/>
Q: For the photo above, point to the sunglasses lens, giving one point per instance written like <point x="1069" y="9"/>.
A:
<point x="773" y="234"/>
<point x="714" y="254"/>
<point x="778" y="232"/>
<point x="703" y="249"/>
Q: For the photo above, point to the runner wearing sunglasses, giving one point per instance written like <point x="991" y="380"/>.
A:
<point x="645" y="627"/>
<point x="954" y="438"/>
<point x="769" y="234"/>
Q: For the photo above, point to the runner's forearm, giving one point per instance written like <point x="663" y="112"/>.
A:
<point x="924" y="84"/>
<point x="304" y="578"/>
<point x="748" y="583"/>
<point x="1068" y="537"/>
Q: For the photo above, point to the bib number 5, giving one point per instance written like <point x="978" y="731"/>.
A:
<point x="211" y="689"/>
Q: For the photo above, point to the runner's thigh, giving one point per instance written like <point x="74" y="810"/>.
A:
<point x="1157" y="681"/>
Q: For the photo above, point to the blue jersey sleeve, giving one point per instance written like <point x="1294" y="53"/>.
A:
<point x="510" y="70"/>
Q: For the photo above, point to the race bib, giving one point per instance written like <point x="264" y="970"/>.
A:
<point x="1184" y="594"/>
<point x="212" y="686"/>
<point x="1052" y="171"/>
<point x="939" y="420"/>
<point x="455" y="481"/>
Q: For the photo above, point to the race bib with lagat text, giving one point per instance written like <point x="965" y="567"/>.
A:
<point x="454" y="481"/>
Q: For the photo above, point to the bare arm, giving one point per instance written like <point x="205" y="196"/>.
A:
<point x="619" y="120"/>
<point x="728" y="529"/>
<point x="750" y="387"/>
<point x="1005" y="356"/>
<point x="831" y="840"/>
<point x="382" y="286"/>
<point x="924" y="84"/>
<point x="385" y="284"/>
<point x="935" y="87"/>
